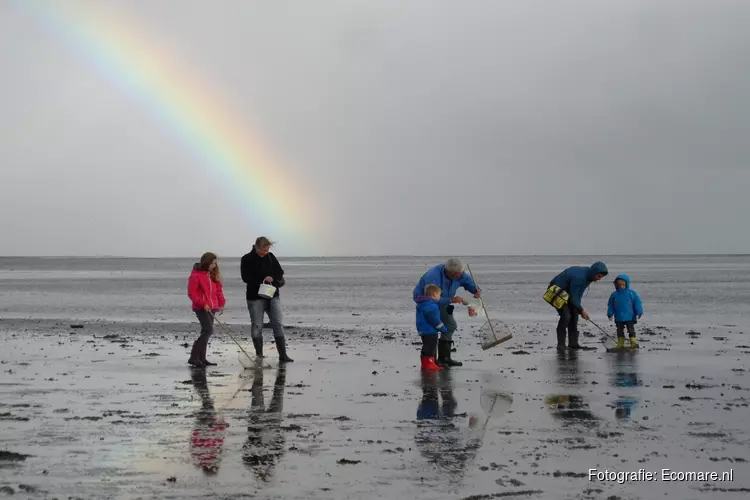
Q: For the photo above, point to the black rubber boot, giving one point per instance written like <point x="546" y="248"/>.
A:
<point x="281" y="347"/>
<point x="258" y="344"/>
<point x="560" y="341"/>
<point x="203" y="357"/>
<point x="440" y="358"/>
<point x="573" y="340"/>
<point x="444" y="354"/>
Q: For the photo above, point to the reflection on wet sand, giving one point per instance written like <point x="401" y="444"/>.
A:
<point x="568" y="372"/>
<point x="624" y="374"/>
<point x="265" y="439"/>
<point x="207" y="438"/>
<point x="570" y="409"/>
<point x="443" y="443"/>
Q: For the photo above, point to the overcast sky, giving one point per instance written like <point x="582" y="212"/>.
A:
<point x="413" y="127"/>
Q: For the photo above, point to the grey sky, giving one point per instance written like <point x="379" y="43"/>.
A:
<point x="415" y="127"/>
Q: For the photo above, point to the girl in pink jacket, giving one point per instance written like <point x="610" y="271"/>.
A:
<point x="207" y="294"/>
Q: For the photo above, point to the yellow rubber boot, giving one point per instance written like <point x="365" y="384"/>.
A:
<point x="633" y="343"/>
<point x="620" y="341"/>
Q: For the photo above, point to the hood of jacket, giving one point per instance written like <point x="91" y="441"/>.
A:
<point x="597" y="268"/>
<point x="623" y="277"/>
<point x="422" y="299"/>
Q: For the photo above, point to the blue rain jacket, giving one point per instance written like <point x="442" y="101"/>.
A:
<point x="575" y="281"/>
<point x="437" y="276"/>
<point x="625" y="304"/>
<point x="428" y="317"/>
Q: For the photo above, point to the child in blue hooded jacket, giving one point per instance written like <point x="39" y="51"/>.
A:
<point x="429" y="325"/>
<point x="625" y="308"/>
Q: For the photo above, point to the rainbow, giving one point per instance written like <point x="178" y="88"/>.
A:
<point x="196" y="117"/>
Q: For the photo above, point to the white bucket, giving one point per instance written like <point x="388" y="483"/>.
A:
<point x="266" y="291"/>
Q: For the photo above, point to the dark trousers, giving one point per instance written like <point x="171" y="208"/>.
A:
<point x="568" y="324"/>
<point x="429" y="345"/>
<point x="446" y="316"/>
<point x="207" y="329"/>
<point x="621" y="325"/>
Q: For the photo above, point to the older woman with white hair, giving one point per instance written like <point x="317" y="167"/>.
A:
<point x="449" y="277"/>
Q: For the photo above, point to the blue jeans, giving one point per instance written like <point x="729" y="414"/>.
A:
<point x="449" y="321"/>
<point x="259" y="307"/>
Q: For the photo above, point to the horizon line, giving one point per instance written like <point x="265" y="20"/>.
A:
<point x="371" y="256"/>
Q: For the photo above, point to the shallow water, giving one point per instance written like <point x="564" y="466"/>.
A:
<point x="368" y="292"/>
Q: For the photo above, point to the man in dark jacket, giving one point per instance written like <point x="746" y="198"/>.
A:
<point x="575" y="281"/>
<point x="257" y="267"/>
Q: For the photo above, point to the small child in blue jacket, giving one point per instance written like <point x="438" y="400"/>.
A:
<point x="429" y="325"/>
<point x="626" y="308"/>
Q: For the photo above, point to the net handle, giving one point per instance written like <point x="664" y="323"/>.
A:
<point x="226" y="330"/>
<point x="603" y="331"/>
<point x="492" y="328"/>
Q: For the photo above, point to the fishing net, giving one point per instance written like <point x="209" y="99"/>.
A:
<point x="609" y="343"/>
<point x="250" y="363"/>
<point x="494" y="332"/>
<point x="247" y="362"/>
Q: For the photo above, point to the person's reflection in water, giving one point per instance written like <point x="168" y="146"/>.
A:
<point x="208" y="433"/>
<point x="570" y="409"/>
<point x="567" y="367"/>
<point x="265" y="441"/>
<point x="439" y="439"/>
<point x="625" y="376"/>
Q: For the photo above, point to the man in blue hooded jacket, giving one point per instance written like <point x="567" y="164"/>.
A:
<point x="449" y="277"/>
<point x="575" y="280"/>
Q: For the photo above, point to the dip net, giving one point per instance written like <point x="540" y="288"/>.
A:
<point x="493" y="333"/>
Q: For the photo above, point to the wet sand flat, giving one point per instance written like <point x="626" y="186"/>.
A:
<point x="111" y="410"/>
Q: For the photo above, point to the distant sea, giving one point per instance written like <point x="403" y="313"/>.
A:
<point x="367" y="292"/>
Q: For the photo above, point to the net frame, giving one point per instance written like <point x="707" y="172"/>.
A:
<point x="493" y="333"/>
<point x="248" y="363"/>
<point x="609" y="343"/>
<point x="244" y="358"/>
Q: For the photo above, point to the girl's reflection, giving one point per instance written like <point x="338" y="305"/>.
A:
<point x="208" y="433"/>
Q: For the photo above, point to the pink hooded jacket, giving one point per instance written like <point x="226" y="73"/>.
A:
<point x="203" y="290"/>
